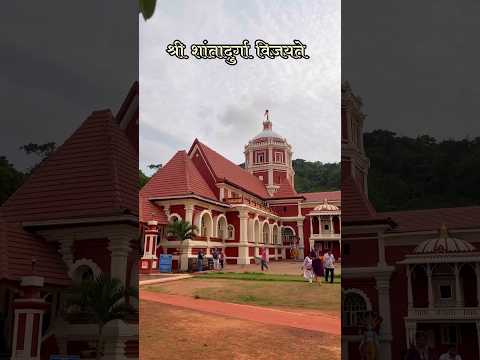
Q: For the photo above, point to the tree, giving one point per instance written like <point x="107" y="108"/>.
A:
<point x="101" y="300"/>
<point x="316" y="176"/>
<point x="143" y="179"/>
<point x="42" y="150"/>
<point x="147" y="8"/>
<point x="10" y="179"/>
<point x="182" y="230"/>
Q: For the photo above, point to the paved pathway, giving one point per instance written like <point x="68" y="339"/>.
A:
<point x="163" y="279"/>
<point x="322" y="323"/>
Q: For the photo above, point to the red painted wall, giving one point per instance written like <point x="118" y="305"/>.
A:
<point x="232" y="218"/>
<point x="362" y="251"/>
<point x="95" y="250"/>
<point x="286" y="210"/>
<point x="262" y="173"/>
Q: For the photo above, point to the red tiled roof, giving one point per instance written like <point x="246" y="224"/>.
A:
<point x="225" y="170"/>
<point x="18" y="248"/>
<point x="286" y="190"/>
<point x="355" y="205"/>
<point x="94" y="173"/>
<point x="178" y="177"/>
<point x="322" y="195"/>
<point x="433" y="219"/>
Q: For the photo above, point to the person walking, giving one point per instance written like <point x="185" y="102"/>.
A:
<point x="308" y="267"/>
<point x="221" y="259"/>
<point x="216" y="262"/>
<point x="329" y="265"/>
<point x="317" y="267"/>
<point x="264" y="260"/>
<point x="451" y="354"/>
<point x="200" y="261"/>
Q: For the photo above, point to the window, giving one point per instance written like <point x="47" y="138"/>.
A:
<point x="326" y="227"/>
<point x="231" y="232"/>
<point x="278" y="157"/>
<point x="275" y="236"/>
<point x="260" y="157"/>
<point x="354" y="309"/>
<point x="260" y="177"/>
<point x="450" y="335"/>
<point x="445" y="292"/>
<point x="265" y="234"/>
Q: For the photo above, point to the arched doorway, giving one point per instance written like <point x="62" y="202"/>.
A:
<point x="206" y="225"/>
<point x="266" y="233"/>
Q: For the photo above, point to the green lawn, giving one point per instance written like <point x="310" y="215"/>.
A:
<point x="256" y="276"/>
<point x="283" y="291"/>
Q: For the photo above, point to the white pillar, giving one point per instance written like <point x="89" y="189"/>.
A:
<point x="478" y="335"/>
<point x="331" y="224"/>
<point x="458" y="294"/>
<point x="477" y="274"/>
<point x="409" y="285"/>
<point x="119" y="246"/>
<point x="301" y="250"/>
<point x="411" y="329"/>
<point x="320" y="230"/>
<point x="383" y="289"/>
<point x="311" y="226"/>
<point x="189" y="213"/>
<point x="243" y="257"/>
<point x="381" y="249"/>
<point x="430" y="287"/>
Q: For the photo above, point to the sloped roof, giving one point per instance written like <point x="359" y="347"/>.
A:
<point x="355" y="205"/>
<point x="178" y="177"/>
<point x="320" y="196"/>
<point x="94" y="173"/>
<point x="17" y="250"/>
<point x="285" y="191"/>
<point x="431" y="219"/>
<point x="225" y="170"/>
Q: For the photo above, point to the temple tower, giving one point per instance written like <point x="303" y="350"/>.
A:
<point x="268" y="156"/>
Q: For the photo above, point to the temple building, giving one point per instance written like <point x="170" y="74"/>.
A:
<point x="417" y="271"/>
<point x="240" y="210"/>
<point x="75" y="217"/>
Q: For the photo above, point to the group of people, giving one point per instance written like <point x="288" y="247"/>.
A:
<point x="422" y="351"/>
<point x="218" y="259"/>
<point x="315" y="266"/>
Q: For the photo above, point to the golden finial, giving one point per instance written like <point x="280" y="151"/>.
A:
<point x="443" y="231"/>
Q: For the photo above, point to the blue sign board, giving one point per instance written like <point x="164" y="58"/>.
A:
<point x="165" y="263"/>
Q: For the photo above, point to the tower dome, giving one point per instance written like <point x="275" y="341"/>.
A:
<point x="443" y="244"/>
<point x="326" y="207"/>
<point x="268" y="156"/>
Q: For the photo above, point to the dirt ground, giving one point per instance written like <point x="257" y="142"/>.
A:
<point x="322" y="297"/>
<point x="169" y="332"/>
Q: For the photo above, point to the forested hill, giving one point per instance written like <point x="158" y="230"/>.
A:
<point x="419" y="173"/>
<point x="316" y="176"/>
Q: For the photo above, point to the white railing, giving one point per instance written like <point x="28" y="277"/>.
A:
<point x="445" y="313"/>
<point x="326" y="236"/>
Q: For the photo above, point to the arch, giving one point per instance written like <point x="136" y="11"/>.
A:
<point x="256" y="230"/>
<point x="205" y="223"/>
<point x="221" y="226"/>
<point x="315" y="225"/>
<point x="288" y="230"/>
<point x="266" y="232"/>
<point x="355" y="306"/>
<point x="230" y="232"/>
<point x="174" y="217"/>
<point x="82" y="269"/>
<point x="275" y="238"/>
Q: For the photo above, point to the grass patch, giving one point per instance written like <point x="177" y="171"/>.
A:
<point x="288" y="294"/>
<point x="256" y="276"/>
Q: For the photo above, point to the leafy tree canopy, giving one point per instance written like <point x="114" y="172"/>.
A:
<point x="10" y="179"/>
<point x="419" y="173"/>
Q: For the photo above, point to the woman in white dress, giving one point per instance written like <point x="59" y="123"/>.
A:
<point x="308" y="268"/>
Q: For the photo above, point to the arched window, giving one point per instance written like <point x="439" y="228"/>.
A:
<point x="221" y="228"/>
<point x="275" y="236"/>
<point x="83" y="273"/>
<point x="231" y="232"/>
<point x="354" y="309"/>
<point x="266" y="233"/>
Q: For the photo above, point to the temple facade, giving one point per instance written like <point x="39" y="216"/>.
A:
<point x="413" y="276"/>
<point x="239" y="209"/>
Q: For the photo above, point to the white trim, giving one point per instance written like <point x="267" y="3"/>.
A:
<point x="288" y="227"/>
<point x="87" y="262"/>
<point x="365" y="297"/>
<point x="190" y="196"/>
<point x="216" y="220"/>
<point x="198" y="222"/>
<point x="174" y="215"/>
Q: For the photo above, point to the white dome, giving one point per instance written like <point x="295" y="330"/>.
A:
<point x="326" y="207"/>
<point x="444" y="244"/>
<point x="268" y="133"/>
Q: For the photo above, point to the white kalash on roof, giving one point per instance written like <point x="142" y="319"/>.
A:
<point x="267" y="131"/>
<point x="444" y="244"/>
<point x="326" y="207"/>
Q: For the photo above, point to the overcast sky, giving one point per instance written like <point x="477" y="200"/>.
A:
<point x="223" y="105"/>
<point x="60" y="60"/>
<point x="415" y="64"/>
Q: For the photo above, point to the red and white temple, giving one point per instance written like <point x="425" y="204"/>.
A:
<point x="75" y="217"/>
<point x="418" y="270"/>
<point x="239" y="210"/>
